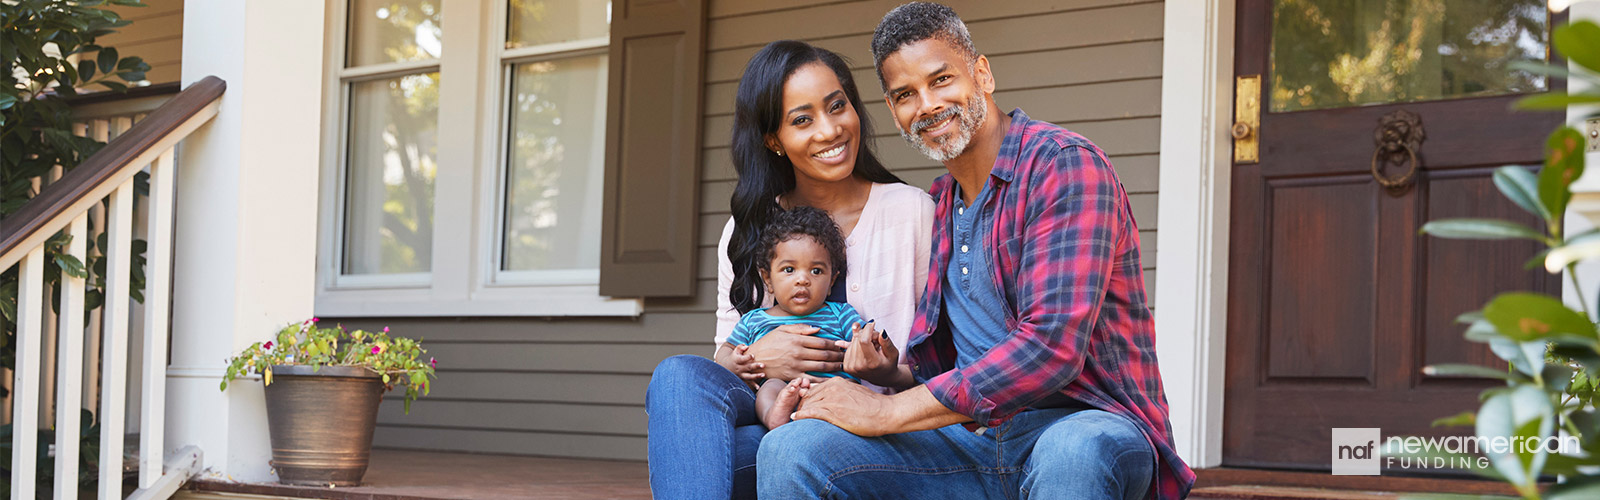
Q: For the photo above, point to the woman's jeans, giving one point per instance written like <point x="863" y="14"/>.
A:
<point x="1048" y="453"/>
<point x="704" y="432"/>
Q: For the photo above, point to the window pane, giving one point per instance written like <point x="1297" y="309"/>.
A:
<point x="384" y="31"/>
<point x="537" y="22"/>
<point x="393" y="144"/>
<point x="555" y="171"/>
<point x="1338" y="53"/>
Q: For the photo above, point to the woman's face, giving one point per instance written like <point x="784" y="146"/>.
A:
<point x="819" y="131"/>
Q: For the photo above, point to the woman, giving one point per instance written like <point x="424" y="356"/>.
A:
<point x="800" y="138"/>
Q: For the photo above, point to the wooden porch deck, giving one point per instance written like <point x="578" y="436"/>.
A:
<point x="431" y="475"/>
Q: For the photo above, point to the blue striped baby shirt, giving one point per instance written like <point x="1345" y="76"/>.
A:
<point x="834" y="320"/>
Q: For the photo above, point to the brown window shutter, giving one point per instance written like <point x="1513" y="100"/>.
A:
<point x="653" y="148"/>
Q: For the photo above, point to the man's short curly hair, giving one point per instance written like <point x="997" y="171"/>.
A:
<point x="802" y="222"/>
<point x="915" y="22"/>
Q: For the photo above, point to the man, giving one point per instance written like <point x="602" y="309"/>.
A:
<point x="1033" y="333"/>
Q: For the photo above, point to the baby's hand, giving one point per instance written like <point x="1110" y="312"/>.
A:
<point x="741" y="363"/>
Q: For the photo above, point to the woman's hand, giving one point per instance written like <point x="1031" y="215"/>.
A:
<point x="870" y="356"/>
<point x="789" y="351"/>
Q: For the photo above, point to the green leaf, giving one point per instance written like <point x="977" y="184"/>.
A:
<point x="86" y="70"/>
<point x="1580" y="42"/>
<point x="1524" y="316"/>
<point x="1521" y="186"/>
<point x="1563" y="163"/>
<point x="1585" y="488"/>
<point x="1525" y="357"/>
<point x="1555" y="101"/>
<point x="108" y="60"/>
<point x="1481" y="229"/>
<point x="71" y="265"/>
<point x="1464" y="370"/>
<point x="7" y="100"/>
<point x="1556" y="377"/>
<point x="1463" y="419"/>
<point x="1523" y="411"/>
<point x="1551" y="70"/>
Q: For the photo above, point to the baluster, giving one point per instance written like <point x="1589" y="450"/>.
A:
<point x="157" y="300"/>
<point x="101" y="131"/>
<point x="113" y="391"/>
<point x="68" y="365"/>
<point x="25" y="382"/>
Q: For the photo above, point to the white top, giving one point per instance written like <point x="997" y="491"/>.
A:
<point x="888" y="262"/>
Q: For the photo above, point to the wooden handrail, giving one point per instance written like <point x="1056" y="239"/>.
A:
<point x="101" y="172"/>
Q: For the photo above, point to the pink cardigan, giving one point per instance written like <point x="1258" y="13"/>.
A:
<point x="888" y="254"/>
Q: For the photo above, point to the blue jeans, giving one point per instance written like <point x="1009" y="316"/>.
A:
<point x="1049" y="453"/>
<point x="704" y="431"/>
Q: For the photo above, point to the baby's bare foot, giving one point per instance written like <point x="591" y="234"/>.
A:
<point x="788" y="401"/>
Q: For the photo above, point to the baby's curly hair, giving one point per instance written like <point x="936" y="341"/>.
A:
<point x="804" y="221"/>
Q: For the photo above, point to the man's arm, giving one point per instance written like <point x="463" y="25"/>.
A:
<point x="863" y="412"/>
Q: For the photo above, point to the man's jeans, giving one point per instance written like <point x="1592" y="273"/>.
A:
<point x="703" y="431"/>
<point x="1050" y="453"/>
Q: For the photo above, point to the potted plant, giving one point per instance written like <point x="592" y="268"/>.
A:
<point x="323" y="386"/>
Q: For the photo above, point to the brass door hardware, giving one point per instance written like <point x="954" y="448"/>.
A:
<point x="1399" y="135"/>
<point x="1247" y="119"/>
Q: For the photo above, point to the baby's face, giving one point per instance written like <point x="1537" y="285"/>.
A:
<point x="800" y="275"/>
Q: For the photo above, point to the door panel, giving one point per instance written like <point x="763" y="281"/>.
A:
<point x="1321" y="283"/>
<point x="1452" y="272"/>
<point x="1334" y="302"/>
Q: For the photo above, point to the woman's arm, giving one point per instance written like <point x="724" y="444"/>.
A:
<point x="727" y="316"/>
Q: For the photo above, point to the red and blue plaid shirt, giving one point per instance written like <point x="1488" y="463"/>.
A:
<point x="1066" y="256"/>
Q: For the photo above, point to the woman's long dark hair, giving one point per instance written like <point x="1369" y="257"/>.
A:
<point x="763" y="175"/>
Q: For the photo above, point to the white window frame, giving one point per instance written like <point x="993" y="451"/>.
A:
<point x="473" y="128"/>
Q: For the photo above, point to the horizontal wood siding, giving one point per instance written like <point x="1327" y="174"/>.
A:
<point x="576" y="387"/>
<point x="156" y="35"/>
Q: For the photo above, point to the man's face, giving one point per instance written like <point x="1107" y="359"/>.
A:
<point x="939" y="100"/>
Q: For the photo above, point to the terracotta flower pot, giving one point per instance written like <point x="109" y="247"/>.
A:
<point x="322" y="423"/>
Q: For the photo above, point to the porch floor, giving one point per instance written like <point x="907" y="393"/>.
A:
<point x="432" y="475"/>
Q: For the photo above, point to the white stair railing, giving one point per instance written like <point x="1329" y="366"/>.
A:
<point x="65" y="205"/>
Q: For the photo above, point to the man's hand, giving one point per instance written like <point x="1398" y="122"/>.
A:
<point x="787" y="352"/>
<point x="849" y="405"/>
<point x="738" y="360"/>
<point x="863" y="412"/>
<point x="870" y="356"/>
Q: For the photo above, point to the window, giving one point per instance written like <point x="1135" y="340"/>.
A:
<point x="464" y="166"/>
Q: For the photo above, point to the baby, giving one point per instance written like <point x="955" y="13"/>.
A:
<point x="804" y="253"/>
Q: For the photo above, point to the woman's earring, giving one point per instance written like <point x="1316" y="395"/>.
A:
<point x="779" y="151"/>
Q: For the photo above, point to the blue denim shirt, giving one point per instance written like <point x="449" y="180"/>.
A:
<point x="976" y="308"/>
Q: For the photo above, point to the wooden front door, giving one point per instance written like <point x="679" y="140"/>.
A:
<point x="1334" y="302"/>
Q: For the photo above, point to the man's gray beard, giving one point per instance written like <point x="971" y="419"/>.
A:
<point x="969" y="117"/>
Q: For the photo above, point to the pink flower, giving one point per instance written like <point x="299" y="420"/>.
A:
<point x="267" y="346"/>
<point x="377" y="349"/>
<point x="385" y="329"/>
<point x="314" y="320"/>
<point x="432" y="363"/>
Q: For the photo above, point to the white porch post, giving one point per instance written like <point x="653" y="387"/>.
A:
<point x="1196" y="162"/>
<point x="246" y="218"/>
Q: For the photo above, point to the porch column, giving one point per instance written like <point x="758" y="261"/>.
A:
<point x="246" y="218"/>
<point x="1196" y="164"/>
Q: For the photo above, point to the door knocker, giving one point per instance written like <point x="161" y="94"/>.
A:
<point x="1399" y="135"/>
